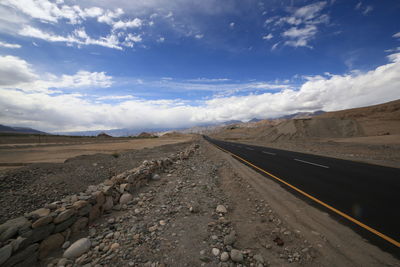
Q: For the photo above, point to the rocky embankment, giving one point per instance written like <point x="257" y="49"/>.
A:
<point x="32" y="237"/>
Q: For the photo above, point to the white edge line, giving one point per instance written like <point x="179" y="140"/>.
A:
<point x="269" y="153"/>
<point x="315" y="164"/>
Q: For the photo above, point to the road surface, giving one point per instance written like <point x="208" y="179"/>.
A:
<point x="364" y="196"/>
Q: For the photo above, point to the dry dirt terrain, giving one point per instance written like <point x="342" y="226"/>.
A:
<point x="208" y="210"/>
<point x="369" y="134"/>
<point x="33" y="185"/>
<point x="177" y="220"/>
<point x="22" y="151"/>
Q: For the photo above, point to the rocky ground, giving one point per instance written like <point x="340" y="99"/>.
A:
<point x="210" y="210"/>
<point x="185" y="218"/>
<point x="34" y="185"/>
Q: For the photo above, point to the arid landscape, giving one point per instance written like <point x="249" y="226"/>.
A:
<point x="20" y="150"/>
<point x="207" y="209"/>
<point x="183" y="133"/>
<point x="370" y="134"/>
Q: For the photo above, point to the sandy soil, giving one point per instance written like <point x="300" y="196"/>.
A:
<point x="56" y="153"/>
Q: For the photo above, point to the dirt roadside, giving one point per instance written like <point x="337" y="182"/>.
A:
<point x="177" y="220"/>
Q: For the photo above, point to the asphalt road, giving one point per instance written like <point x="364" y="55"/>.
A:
<point x="368" y="193"/>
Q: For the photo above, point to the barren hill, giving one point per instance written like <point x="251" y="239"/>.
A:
<point x="382" y="119"/>
<point x="369" y="134"/>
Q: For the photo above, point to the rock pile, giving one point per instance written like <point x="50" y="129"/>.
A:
<point x="32" y="237"/>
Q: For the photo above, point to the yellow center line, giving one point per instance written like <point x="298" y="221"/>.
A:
<point x="391" y="240"/>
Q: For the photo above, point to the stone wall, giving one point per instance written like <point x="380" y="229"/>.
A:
<point x="32" y="237"/>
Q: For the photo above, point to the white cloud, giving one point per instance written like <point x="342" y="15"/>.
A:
<point x="135" y="23"/>
<point x="199" y="36"/>
<point x="300" y="36"/>
<point x="396" y="35"/>
<point x="48" y="11"/>
<point x="364" y="9"/>
<point x="367" y="10"/>
<point x="161" y="40"/>
<point x="269" y="36"/>
<point x="14" y="71"/>
<point x="275" y="46"/>
<point x="301" y="26"/>
<point x="17" y="73"/>
<point x="232" y="25"/>
<point x="115" y="97"/>
<point x="73" y="111"/>
<point x="309" y="12"/>
<point x="8" y="45"/>
<point x="79" y="37"/>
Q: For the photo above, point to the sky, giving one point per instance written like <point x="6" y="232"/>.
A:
<point x="70" y="65"/>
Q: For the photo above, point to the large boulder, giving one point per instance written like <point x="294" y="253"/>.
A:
<point x="78" y="248"/>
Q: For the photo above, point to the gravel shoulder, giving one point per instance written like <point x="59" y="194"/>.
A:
<point x="211" y="210"/>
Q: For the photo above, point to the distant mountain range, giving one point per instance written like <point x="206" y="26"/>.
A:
<point x="302" y="115"/>
<point x="132" y="132"/>
<point x="19" y="130"/>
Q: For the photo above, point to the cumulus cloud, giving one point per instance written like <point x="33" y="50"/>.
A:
<point x="14" y="71"/>
<point x="396" y="35"/>
<point x="55" y="13"/>
<point x="135" y="23"/>
<point x="301" y="26"/>
<point x="17" y="73"/>
<point x="61" y="112"/>
<point x="45" y="10"/>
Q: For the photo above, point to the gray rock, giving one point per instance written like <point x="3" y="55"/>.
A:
<point x="224" y="256"/>
<point x="221" y="209"/>
<point x="37" y="234"/>
<point x="24" y="255"/>
<point x="236" y="255"/>
<point x="108" y="204"/>
<point x="230" y="239"/>
<point x="125" y="198"/>
<point x="79" y="224"/>
<point x="259" y="258"/>
<point x="85" y="210"/>
<point x="66" y="244"/>
<point x="63" y="216"/>
<point x="65" y="224"/>
<point x="9" y="233"/>
<point x="40" y="212"/>
<point x="156" y="177"/>
<point x="16" y="243"/>
<point x="215" y="251"/>
<point x="204" y="258"/>
<point x="42" y="221"/>
<point x="11" y="227"/>
<point x="51" y="243"/>
<point x="5" y="253"/>
<point x="78" y="248"/>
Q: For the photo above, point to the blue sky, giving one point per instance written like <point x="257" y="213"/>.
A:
<point x="83" y="65"/>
